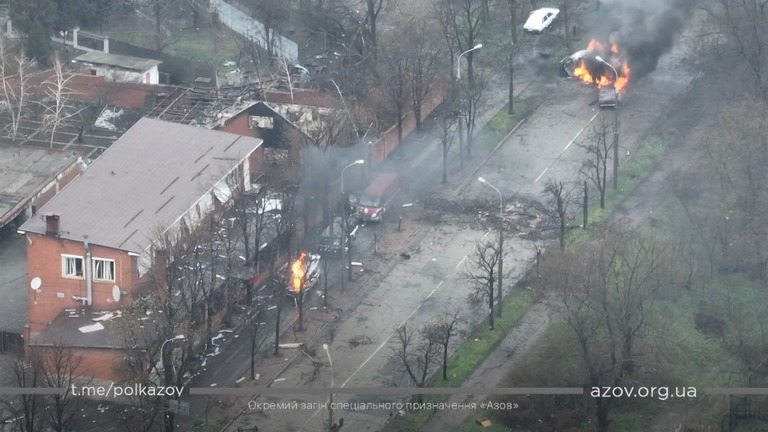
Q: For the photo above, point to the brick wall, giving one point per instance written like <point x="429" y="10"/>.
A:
<point x="55" y="294"/>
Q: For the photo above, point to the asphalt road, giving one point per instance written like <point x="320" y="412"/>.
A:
<point x="416" y="291"/>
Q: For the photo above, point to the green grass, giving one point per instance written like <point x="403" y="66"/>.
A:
<point x="501" y="124"/>
<point x="468" y="357"/>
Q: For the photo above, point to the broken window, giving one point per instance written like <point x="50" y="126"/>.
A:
<point x="104" y="269"/>
<point x="72" y="266"/>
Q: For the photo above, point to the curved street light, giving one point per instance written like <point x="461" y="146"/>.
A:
<point x="458" y="61"/>
<point x="615" y="72"/>
<point x="501" y="239"/>
<point x="357" y="162"/>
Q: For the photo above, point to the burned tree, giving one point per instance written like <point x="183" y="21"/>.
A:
<point x="417" y="357"/>
<point x="484" y="277"/>
<point x="598" y="153"/>
<point x="560" y="198"/>
<point x="254" y="325"/>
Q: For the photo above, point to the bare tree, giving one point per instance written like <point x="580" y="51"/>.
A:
<point x="484" y="276"/>
<point x="417" y="357"/>
<point x="58" y="108"/>
<point x="422" y="68"/>
<point x="15" y="70"/>
<point x="161" y="12"/>
<point x="560" y="198"/>
<point x="394" y="66"/>
<point x="62" y="368"/>
<point x="446" y="118"/>
<point x="598" y="153"/>
<point x="269" y="13"/>
<point x="474" y="100"/>
<point x="373" y="9"/>
<point x="567" y="9"/>
<point x="744" y="24"/>
<point x="577" y="298"/>
<point x="462" y="22"/>
<point x="442" y="332"/>
<point x="25" y="409"/>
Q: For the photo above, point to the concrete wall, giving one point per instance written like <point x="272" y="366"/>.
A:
<point x="44" y="260"/>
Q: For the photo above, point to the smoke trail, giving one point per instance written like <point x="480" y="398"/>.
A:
<point x="645" y="29"/>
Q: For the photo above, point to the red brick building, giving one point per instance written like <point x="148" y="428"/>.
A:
<point x="90" y="246"/>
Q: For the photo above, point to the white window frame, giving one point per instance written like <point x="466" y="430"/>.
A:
<point x="110" y="263"/>
<point x="64" y="266"/>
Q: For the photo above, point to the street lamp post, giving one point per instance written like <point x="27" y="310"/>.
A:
<point x="169" y="426"/>
<point x="344" y="228"/>
<point x="330" y="403"/>
<point x="501" y="240"/>
<point x="458" y="60"/>
<point x="615" y="130"/>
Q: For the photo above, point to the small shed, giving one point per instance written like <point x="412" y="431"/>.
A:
<point x="120" y="68"/>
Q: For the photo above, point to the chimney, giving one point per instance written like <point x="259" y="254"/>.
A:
<point x="52" y="224"/>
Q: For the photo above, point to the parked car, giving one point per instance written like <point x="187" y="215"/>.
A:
<point x="378" y="196"/>
<point x="332" y="236"/>
<point x="540" y="19"/>
<point x="608" y="97"/>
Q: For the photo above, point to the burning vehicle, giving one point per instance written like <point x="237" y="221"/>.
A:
<point x="602" y="64"/>
<point x="303" y="275"/>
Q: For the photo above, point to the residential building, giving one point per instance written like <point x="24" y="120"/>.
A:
<point x="91" y="245"/>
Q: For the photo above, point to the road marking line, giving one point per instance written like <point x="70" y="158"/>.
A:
<point x="581" y="131"/>
<point x="386" y="341"/>
<point x="542" y="173"/>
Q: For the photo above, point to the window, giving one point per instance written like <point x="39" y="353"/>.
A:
<point x="72" y="266"/>
<point x="103" y="269"/>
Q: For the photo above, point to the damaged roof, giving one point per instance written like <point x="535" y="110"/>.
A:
<point x="146" y="181"/>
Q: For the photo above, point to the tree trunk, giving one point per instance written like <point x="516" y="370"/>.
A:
<point x="490" y="305"/>
<point x="445" y="360"/>
<point x="445" y="161"/>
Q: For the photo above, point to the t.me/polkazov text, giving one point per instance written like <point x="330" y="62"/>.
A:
<point x="116" y="391"/>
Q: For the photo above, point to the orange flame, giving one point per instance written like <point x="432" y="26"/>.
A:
<point x="298" y="272"/>
<point x="594" y="45"/>
<point x="607" y="77"/>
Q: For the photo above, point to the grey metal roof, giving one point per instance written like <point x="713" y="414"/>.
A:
<point x="145" y="182"/>
<point x="24" y="171"/>
<point x="122" y="61"/>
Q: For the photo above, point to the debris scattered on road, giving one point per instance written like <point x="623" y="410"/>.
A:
<point x="279" y="379"/>
<point x="313" y="308"/>
<point x="239" y="380"/>
<point x="359" y="340"/>
<point x="408" y="205"/>
<point x="404" y="255"/>
<point x="272" y="307"/>
<point x="358" y="264"/>
<point x="214" y="385"/>
<point x="291" y="345"/>
<point x="257" y="376"/>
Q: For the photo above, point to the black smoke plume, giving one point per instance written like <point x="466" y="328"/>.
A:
<point x="644" y="29"/>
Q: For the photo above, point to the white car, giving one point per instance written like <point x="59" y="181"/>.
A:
<point x="540" y="19"/>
